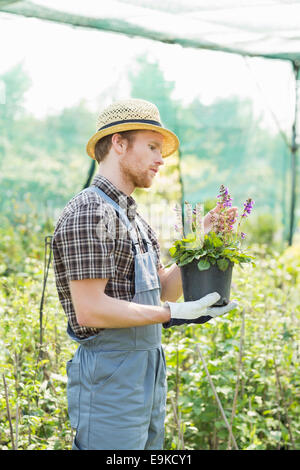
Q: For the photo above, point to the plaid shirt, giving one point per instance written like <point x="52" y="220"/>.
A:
<point x="90" y="242"/>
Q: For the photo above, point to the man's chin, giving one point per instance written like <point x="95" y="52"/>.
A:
<point x="146" y="183"/>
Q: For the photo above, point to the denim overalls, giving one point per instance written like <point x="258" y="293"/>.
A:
<point x="117" y="379"/>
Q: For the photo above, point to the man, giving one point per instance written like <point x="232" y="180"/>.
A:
<point x="111" y="283"/>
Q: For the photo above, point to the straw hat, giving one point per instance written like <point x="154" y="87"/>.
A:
<point x="132" y="114"/>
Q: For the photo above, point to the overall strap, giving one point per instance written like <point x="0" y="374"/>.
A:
<point x="143" y="234"/>
<point x="122" y="215"/>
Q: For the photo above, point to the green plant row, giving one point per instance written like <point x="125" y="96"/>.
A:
<point x="252" y="356"/>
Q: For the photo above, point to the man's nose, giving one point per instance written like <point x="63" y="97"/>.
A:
<point x="161" y="160"/>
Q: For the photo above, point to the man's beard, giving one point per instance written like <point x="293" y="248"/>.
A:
<point x="138" y="179"/>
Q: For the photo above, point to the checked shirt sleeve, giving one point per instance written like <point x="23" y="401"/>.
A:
<point x="86" y="244"/>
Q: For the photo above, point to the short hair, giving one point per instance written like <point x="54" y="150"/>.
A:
<point x="103" y="145"/>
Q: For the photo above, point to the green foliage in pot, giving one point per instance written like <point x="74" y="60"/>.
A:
<point x="221" y="245"/>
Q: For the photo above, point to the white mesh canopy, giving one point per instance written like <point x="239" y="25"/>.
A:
<point x="266" y="28"/>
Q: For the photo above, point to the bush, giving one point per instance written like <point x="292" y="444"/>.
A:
<point x="262" y="229"/>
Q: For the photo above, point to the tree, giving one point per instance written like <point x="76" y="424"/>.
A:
<point x="148" y="82"/>
<point x="16" y="83"/>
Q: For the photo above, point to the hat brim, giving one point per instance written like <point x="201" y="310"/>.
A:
<point x="169" y="146"/>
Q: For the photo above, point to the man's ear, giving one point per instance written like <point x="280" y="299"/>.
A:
<point x="119" y="143"/>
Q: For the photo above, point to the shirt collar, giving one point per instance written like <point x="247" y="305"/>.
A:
<point x="127" y="203"/>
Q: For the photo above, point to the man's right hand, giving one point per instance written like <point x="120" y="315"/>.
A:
<point x="197" y="311"/>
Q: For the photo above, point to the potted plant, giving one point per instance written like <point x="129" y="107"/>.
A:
<point x="206" y="260"/>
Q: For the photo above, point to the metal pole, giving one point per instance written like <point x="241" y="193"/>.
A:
<point x="294" y="151"/>
<point x="182" y="190"/>
<point x="90" y="174"/>
<point x="177" y="130"/>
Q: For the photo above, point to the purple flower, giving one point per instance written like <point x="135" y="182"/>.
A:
<point x="248" y="207"/>
<point x="225" y="198"/>
<point x="223" y="191"/>
<point x="243" y="235"/>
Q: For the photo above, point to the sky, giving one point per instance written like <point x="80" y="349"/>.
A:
<point x="68" y="64"/>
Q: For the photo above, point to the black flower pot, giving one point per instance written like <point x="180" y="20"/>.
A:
<point x="197" y="284"/>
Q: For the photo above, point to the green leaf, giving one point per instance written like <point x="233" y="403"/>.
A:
<point x="169" y="264"/>
<point x="203" y="265"/>
<point x="222" y="264"/>
<point x="172" y="251"/>
<point x="187" y="260"/>
<point x="215" y="240"/>
<point x="184" y="256"/>
<point x="199" y="255"/>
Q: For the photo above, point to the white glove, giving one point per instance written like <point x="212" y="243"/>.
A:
<point x="197" y="311"/>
